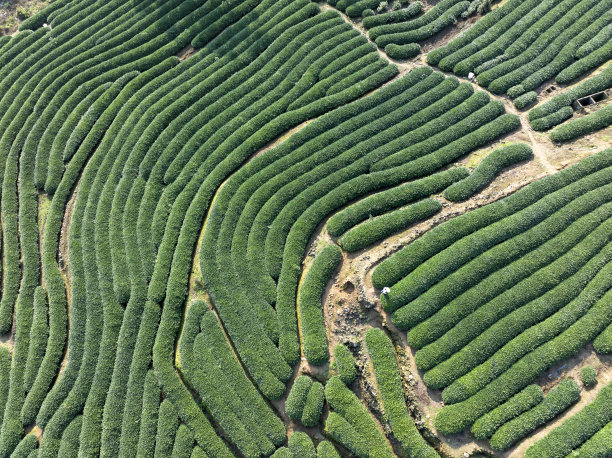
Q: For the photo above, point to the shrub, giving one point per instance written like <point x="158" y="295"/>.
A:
<point x="391" y="199"/>
<point x="69" y="445"/>
<point x="355" y="9"/>
<point x="582" y="126"/>
<point x="394" y="16"/>
<point x="166" y="429"/>
<point x="588" y="376"/>
<point x="313" y="406"/>
<point x="587" y="63"/>
<point x="351" y="424"/>
<point x="599" y="40"/>
<point x="555" y="402"/>
<point x="577" y="429"/>
<point x="300" y="444"/>
<point x="383" y="226"/>
<point x="600" y="444"/>
<point x="382" y="355"/>
<point x="523" y="101"/>
<point x="38" y="337"/>
<point x="486" y="425"/>
<point x="603" y="342"/>
<point x="487" y="170"/>
<point x="345" y="364"/>
<point x="403" y="51"/>
<point x="325" y="449"/>
<point x="149" y="416"/>
<point x="551" y="120"/>
<point x="311" y="292"/>
<point x="367" y="13"/>
<point x="422" y="33"/>
<point x="183" y="443"/>
<point x="296" y="400"/>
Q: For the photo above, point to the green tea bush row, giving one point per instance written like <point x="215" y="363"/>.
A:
<point x="167" y="427"/>
<point x="577" y="429"/>
<point x="486" y="425"/>
<point x="385" y="225"/>
<point x="408" y="51"/>
<point x="311" y="414"/>
<point x="496" y="321"/>
<point x="533" y="66"/>
<point x="554" y="349"/>
<point x="600" y="444"/>
<point x="296" y="400"/>
<point x="551" y="120"/>
<point x="382" y="355"/>
<point x="354" y="10"/>
<point x="448" y="18"/>
<point x="587" y="63"/>
<point x="183" y="443"/>
<point x="525" y="100"/>
<point x="554" y="403"/>
<point x="485" y="31"/>
<point x="590" y="123"/>
<point x="400" y="15"/>
<point x="69" y="445"/>
<point x="603" y="342"/>
<point x="351" y="424"/>
<point x="569" y="313"/>
<point x="599" y="40"/>
<point x="325" y="449"/>
<point x="487" y="170"/>
<point x="26" y="446"/>
<point x="429" y="17"/>
<point x="227" y="13"/>
<point x="345" y="364"/>
<point x="402" y="263"/>
<point x="391" y="199"/>
<point x="453" y="132"/>
<point x="588" y="376"/>
<point x="5" y="370"/>
<point x="312" y="289"/>
<point x="594" y="84"/>
<point x="149" y="416"/>
<point x="300" y="444"/>
<point x="464" y="250"/>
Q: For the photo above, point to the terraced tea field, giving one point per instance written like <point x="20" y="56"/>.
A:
<point x="297" y="229"/>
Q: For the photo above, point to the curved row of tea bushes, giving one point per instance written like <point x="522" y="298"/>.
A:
<point x="553" y="350"/>
<point x="400" y="15"/>
<point x="577" y="429"/>
<point x="183" y="443"/>
<point x="223" y="392"/>
<point x="369" y="232"/>
<point x="402" y="51"/>
<point x="428" y="18"/>
<point x="386" y="371"/>
<point x="525" y="100"/>
<point x="325" y="449"/>
<point x="546" y="122"/>
<point x="149" y="416"/>
<point x="479" y="35"/>
<point x="603" y="342"/>
<point x="390" y="199"/>
<point x="599" y="40"/>
<point x="5" y="370"/>
<point x="600" y="444"/>
<point x="528" y="302"/>
<point x="355" y="9"/>
<point x="296" y="400"/>
<point x="345" y="364"/>
<point x="448" y="18"/>
<point x="487" y="170"/>
<point x="588" y="124"/>
<point x="69" y="445"/>
<point x="554" y="403"/>
<point x="300" y="444"/>
<point x="167" y="427"/>
<point x="592" y="85"/>
<point x="350" y="423"/>
<point x="409" y="263"/>
<point x="589" y="62"/>
<point x="38" y="337"/>
<point x="486" y="425"/>
<point x="314" y="405"/>
<point x="312" y="289"/>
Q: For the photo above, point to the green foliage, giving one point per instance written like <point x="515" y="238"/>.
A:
<point x="577" y="429"/>
<point x="555" y="402"/>
<point x="408" y="51"/>
<point x="486" y="425"/>
<point x="400" y="15"/>
<point x="385" y="225"/>
<point x="355" y="9"/>
<point x="588" y="376"/>
<point x="525" y="100"/>
<point x="345" y="364"/>
<point x="590" y="123"/>
<point x="487" y="170"/>
<point x="298" y="395"/>
<point x="391" y="391"/>
<point x="313" y="407"/>
<point x="351" y="424"/>
<point x="314" y="336"/>
<point x="325" y="449"/>
<point x="300" y="444"/>
<point x="551" y="120"/>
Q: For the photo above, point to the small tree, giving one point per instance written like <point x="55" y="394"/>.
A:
<point x="588" y="375"/>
